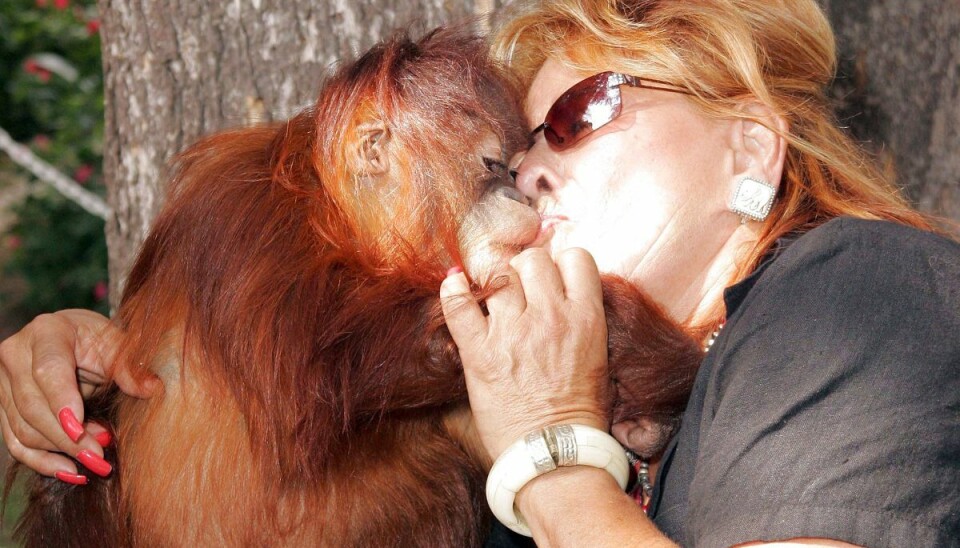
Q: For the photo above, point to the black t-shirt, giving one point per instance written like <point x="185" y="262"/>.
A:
<point x="829" y="406"/>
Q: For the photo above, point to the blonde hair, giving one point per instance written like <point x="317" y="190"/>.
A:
<point x="779" y="52"/>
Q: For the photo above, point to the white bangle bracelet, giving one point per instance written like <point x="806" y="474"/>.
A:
<point x="544" y="450"/>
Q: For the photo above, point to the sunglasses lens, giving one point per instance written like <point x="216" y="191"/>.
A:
<point x="581" y="110"/>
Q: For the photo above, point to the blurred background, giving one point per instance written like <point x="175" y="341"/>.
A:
<point x="52" y="253"/>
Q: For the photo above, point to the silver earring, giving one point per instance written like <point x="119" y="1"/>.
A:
<point x="753" y="199"/>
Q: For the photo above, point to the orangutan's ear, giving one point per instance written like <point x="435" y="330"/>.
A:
<point x="370" y="153"/>
<point x="645" y="436"/>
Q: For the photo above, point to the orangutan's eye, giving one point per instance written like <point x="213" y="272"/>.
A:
<point x="494" y="166"/>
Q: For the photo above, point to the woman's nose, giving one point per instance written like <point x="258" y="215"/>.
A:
<point x="532" y="174"/>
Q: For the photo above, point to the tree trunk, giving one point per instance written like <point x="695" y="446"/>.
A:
<point x="178" y="69"/>
<point x="899" y="91"/>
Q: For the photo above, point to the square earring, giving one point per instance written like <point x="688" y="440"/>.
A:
<point x="753" y="199"/>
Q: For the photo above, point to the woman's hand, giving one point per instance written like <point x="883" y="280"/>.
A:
<point x="45" y="370"/>
<point x="540" y="356"/>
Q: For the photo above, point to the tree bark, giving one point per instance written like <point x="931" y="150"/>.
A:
<point x="899" y="91"/>
<point x="178" y="69"/>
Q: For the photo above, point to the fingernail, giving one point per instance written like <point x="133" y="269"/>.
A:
<point x="75" y="479"/>
<point x="70" y="424"/>
<point x="454" y="270"/>
<point x="103" y="438"/>
<point x="96" y="464"/>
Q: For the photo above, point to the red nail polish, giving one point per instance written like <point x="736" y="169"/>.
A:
<point x="75" y="479"/>
<point x="454" y="270"/>
<point x="70" y="424"/>
<point x="96" y="464"/>
<point x="103" y="438"/>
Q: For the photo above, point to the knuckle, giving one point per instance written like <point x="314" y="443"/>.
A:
<point x="16" y="449"/>
<point x="576" y="256"/>
<point x="6" y="351"/>
<point x="553" y="324"/>
<point x="17" y="453"/>
<point x="531" y="262"/>
<point x="592" y="312"/>
<point x="526" y="256"/>
<point x="11" y="351"/>
<point x="43" y="322"/>
<point x="453" y="292"/>
<point x="47" y="368"/>
<point x="594" y="323"/>
<point x="21" y="431"/>
<point x="32" y="408"/>
<point x="519" y="259"/>
<point x="47" y="318"/>
<point x="451" y="302"/>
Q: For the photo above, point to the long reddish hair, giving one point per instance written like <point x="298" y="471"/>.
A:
<point x="781" y="53"/>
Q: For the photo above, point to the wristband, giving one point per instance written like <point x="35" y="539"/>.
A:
<point x="542" y="451"/>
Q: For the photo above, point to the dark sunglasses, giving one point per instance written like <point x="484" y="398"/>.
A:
<point x="589" y="105"/>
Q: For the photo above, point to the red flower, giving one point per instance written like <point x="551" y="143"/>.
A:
<point x="93" y="26"/>
<point x="41" y="141"/>
<point x="32" y="67"/>
<point x="82" y="174"/>
<point x="100" y="291"/>
<point x="61" y="4"/>
<point x="42" y="3"/>
<point x="13" y="242"/>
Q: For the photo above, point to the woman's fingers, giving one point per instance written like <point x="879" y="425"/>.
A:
<point x="538" y="275"/>
<point x="462" y="312"/>
<point x="44" y="380"/>
<point x="22" y="430"/>
<point x="580" y="277"/>
<point x="539" y="357"/>
<point x="25" y="409"/>
<point x="55" y="375"/>
<point x="97" y="345"/>
<point x="37" y="428"/>
<point x="508" y="301"/>
<point x="39" y="393"/>
<point x="99" y="433"/>
<point x="44" y="462"/>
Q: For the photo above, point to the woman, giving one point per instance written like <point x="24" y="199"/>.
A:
<point x="827" y="407"/>
<point x="660" y="164"/>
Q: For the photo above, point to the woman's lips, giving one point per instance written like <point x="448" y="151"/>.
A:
<point x="548" y="221"/>
<point x="547" y="224"/>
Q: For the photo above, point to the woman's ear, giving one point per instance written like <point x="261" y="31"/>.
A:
<point x="759" y="146"/>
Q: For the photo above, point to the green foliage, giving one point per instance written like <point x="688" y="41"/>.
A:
<point x="61" y="250"/>
<point x="51" y="98"/>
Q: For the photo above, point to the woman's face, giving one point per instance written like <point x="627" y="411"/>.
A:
<point x="645" y="195"/>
